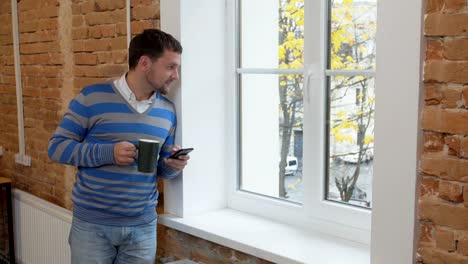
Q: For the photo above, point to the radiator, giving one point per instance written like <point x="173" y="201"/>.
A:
<point x="41" y="230"/>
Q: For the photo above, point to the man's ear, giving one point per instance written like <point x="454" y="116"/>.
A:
<point x="144" y="62"/>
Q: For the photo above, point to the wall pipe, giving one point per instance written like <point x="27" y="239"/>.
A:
<point x="129" y="25"/>
<point x="20" y="157"/>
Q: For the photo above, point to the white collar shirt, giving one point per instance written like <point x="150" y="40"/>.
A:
<point x="140" y="106"/>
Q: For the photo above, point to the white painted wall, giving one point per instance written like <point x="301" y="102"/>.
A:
<point x="397" y="132"/>
<point x="200" y="26"/>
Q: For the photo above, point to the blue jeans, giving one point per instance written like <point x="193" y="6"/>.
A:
<point x="100" y="244"/>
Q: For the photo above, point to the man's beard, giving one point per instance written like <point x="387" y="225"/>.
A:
<point x="163" y="89"/>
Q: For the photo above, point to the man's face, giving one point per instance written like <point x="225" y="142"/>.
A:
<point x="163" y="71"/>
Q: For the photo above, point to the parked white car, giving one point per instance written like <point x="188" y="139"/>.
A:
<point x="291" y="165"/>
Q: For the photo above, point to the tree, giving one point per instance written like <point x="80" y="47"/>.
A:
<point x="352" y="48"/>
<point x="291" y="46"/>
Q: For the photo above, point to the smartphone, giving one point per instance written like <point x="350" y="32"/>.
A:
<point x="183" y="151"/>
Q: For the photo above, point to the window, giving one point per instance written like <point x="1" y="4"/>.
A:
<point x="305" y="89"/>
<point x="203" y="188"/>
<point x="350" y="90"/>
<point x="270" y="68"/>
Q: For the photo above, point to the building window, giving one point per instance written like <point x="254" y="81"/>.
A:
<point x="305" y="73"/>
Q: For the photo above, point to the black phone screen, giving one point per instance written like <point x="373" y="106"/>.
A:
<point x="184" y="151"/>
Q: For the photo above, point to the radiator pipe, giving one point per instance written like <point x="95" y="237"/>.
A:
<point x="129" y="25"/>
<point x="20" y="157"/>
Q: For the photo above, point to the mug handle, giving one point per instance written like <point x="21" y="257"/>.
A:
<point x="137" y="151"/>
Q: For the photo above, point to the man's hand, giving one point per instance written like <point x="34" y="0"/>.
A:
<point x="124" y="153"/>
<point x="179" y="163"/>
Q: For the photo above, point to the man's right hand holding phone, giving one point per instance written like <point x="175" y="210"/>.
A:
<point x="178" y="162"/>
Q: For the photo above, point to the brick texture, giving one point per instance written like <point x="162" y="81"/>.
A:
<point x="447" y="71"/>
<point x="444" y="167"/>
<point x="442" y="24"/>
<point x="433" y="141"/>
<point x="456" y="49"/>
<point x="465" y="96"/>
<point x="64" y="46"/>
<point x="443" y="205"/>
<point x="8" y="111"/>
<point x="434" y="49"/>
<point x="453" y="144"/>
<point x="445" y="239"/>
<point x="8" y="118"/>
<point x="179" y="245"/>
<point x="435" y="118"/>
<point x="464" y="147"/>
<point x="451" y="191"/>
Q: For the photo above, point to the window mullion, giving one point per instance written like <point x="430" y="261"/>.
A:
<point x="269" y="71"/>
<point x="370" y="73"/>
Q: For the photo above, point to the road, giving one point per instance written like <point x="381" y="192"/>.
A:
<point x="294" y="187"/>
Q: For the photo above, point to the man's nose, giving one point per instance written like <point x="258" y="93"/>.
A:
<point x="176" y="75"/>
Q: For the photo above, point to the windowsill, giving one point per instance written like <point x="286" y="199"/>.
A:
<point x="268" y="240"/>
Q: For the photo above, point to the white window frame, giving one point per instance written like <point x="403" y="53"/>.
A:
<point x="315" y="213"/>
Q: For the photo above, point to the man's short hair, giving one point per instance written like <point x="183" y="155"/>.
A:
<point x="151" y="43"/>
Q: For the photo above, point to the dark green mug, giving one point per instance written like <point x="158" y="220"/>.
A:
<point x="148" y="151"/>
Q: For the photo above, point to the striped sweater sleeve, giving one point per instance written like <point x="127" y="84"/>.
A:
<point x="164" y="171"/>
<point x="66" y="145"/>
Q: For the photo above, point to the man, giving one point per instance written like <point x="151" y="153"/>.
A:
<point x="114" y="216"/>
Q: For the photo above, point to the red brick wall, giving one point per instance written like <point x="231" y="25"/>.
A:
<point x="179" y="245"/>
<point x="443" y="202"/>
<point x="8" y="116"/>
<point x="8" y="129"/>
<point x="64" y="45"/>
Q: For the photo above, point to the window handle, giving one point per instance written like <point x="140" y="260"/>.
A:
<point x="310" y="73"/>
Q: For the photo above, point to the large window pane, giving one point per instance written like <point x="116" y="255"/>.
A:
<point x="352" y="34"/>
<point x="272" y="34"/>
<point x="271" y="135"/>
<point x="271" y="105"/>
<point x="351" y="139"/>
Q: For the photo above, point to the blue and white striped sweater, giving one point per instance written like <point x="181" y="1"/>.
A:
<point x="106" y="193"/>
